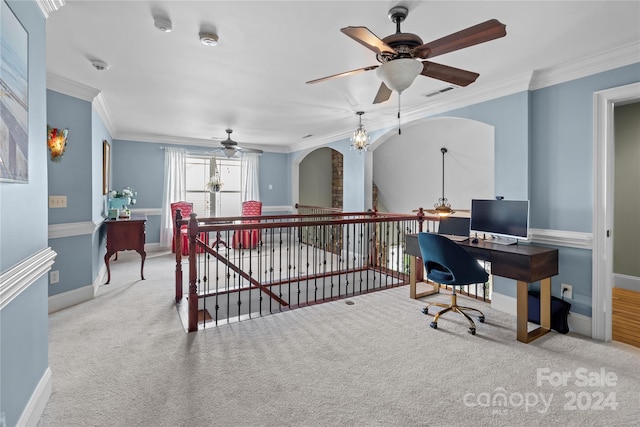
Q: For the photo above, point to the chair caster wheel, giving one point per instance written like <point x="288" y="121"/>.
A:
<point x="434" y="325"/>
<point x="481" y="319"/>
<point x="472" y="331"/>
<point x="425" y="310"/>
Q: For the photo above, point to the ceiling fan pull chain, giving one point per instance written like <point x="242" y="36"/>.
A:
<point x="399" y="130"/>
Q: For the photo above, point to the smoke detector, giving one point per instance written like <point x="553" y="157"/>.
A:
<point x="163" y="24"/>
<point x="209" y="39"/>
<point x="99" y="65"/>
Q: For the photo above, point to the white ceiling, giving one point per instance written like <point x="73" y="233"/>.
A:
<point x="167" y="87"/>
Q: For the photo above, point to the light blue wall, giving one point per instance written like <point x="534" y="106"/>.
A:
<point x="562" y="149"/>
<point x="79" y="177"/>
<point x="561" y="180"/>
<point x="72" y="175"/>
<point x="23" y="230"/>
<point x="510" y="117"/>
<point x="275" y="169"/>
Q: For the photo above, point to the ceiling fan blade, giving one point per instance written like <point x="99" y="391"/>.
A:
<point x="346" y="73"/>
<point x="384" y="93"/>
<point x="366" y="38"/>
<point x="484" y="32"/>
<point x="448" y="74"/>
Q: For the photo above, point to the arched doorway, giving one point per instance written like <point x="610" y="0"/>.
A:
<point x="321" y="179"/>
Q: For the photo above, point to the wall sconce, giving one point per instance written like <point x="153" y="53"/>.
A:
<point x="57" y="142"/>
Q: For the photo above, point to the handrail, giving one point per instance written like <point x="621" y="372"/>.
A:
<point x="312" y="251"/>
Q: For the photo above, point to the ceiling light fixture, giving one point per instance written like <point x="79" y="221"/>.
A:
<point x="208" y="39"/>
<point x="229" y="152"/>
<point x="163" y="24"/>
<point x="360" y="137"/>
<point x="398" y="74"/>
<point x="443" y="208"/>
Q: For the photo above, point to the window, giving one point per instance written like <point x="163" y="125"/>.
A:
<point x="226" y="202"/>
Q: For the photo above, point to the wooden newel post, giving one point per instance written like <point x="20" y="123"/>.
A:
<point x="177" y="244"/>
<point x="420" y="219"/>
<point x="193" y="288"/>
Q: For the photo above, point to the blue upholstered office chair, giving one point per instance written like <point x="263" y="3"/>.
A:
<point x="447" y="263"/>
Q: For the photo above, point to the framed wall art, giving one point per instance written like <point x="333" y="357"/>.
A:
<point x="14" y="102"/>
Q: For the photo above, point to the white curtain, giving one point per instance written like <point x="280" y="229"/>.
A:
<point x="250" y="183"/>
<point x="175" y="190"/>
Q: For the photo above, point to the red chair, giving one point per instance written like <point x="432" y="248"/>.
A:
<point x="248" y="239"/>
<point x="186" y="208"/>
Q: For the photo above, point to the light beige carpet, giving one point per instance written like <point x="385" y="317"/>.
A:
<point x="124" y="359"/>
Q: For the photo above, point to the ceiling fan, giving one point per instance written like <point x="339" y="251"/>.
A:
<point x="230" y="147"/>
<point x="400" y="54"/>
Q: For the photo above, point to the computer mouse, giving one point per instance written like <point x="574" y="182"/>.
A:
<point x="474" y="240"/>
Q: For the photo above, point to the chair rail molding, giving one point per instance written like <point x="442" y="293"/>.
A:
<point x="71" y="229"/>
<point x="18" y="278"/>
<point x="570" y="239"/>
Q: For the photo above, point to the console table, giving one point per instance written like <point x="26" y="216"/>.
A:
<point x="125" y="234"/>
<point x="524" y="263"/>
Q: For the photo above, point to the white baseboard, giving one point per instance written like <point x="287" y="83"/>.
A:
<point x="67" y="299"/>
<point x="624" y="281"/>
<point x="38" y="402"/>
<point x="578" y="323"/>
<point x="85" y="293"/>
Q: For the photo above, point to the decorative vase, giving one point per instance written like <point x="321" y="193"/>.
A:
<point x="119" y="203"/>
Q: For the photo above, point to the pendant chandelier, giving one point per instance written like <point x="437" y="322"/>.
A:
<point x="443" y="208"/>
<point x="360" y="138"/>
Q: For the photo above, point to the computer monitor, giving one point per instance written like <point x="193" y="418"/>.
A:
<point x="504" y="221"/>
<point x="453" y="226"/>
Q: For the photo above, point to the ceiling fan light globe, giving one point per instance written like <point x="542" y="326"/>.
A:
<point x="398" y="74"/>
<point x="229" y="152"/>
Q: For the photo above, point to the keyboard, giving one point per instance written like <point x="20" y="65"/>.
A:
<point x="456" y="238"/>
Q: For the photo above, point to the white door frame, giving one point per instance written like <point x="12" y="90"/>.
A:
<point x="604" y="102"/>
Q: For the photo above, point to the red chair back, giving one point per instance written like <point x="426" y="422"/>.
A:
<point x="248" y="238"/>
<point x="185" y="210"/>
<point x="185" y="207"/>
<point x="251" y="208"/>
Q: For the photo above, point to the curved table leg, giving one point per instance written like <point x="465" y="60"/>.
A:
<point x="143" y="255"/>
<point x="107" y="256"/>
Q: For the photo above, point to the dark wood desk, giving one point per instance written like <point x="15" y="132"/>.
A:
<point x="123" y="235"/>
<point x="524" y="263"/>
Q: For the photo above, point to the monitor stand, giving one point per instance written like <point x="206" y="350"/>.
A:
<point x="502" y="240"/>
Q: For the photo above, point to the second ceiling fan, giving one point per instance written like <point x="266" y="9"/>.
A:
<point x="400" y="54"/>
<point x="229" y="147"/>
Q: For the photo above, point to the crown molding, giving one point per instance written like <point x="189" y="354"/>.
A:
<point x="604" y="61"/>
<point x="102" y="109"/>
<point x="197" y="142"/>
<point x="71" y="88"/>
<point x="49" y="6"/>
